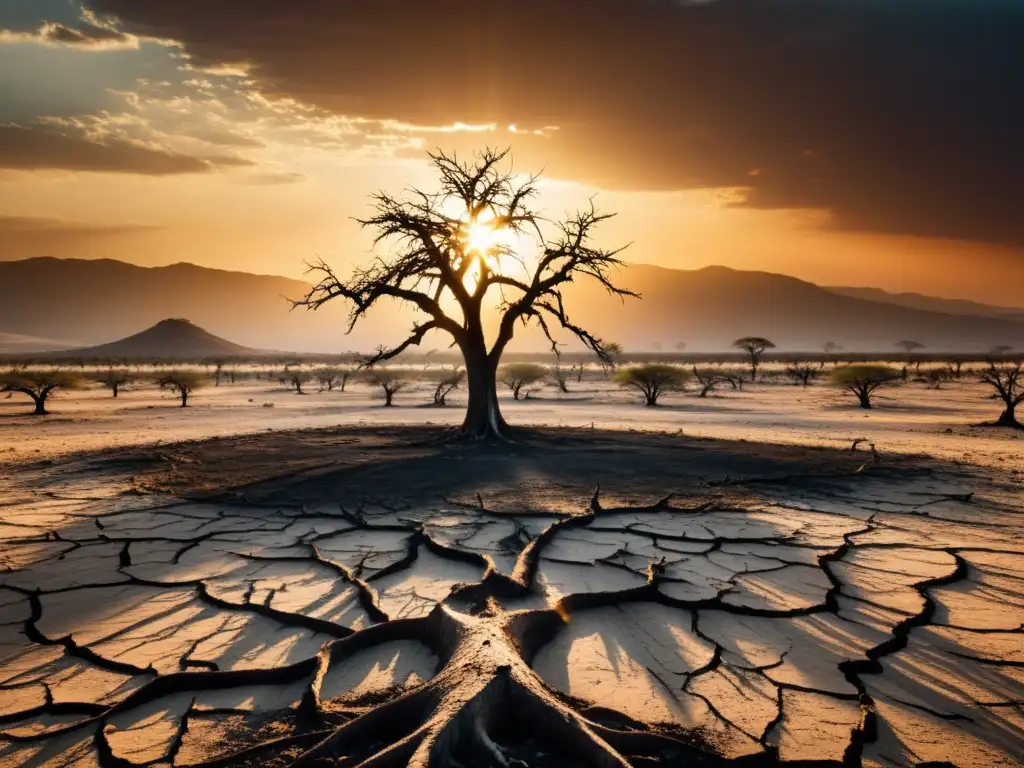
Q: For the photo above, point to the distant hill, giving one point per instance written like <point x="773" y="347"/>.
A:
<point x="17" y="344"/>
<point x="173" y="339"/>
<point x="97" y="301"/>
<point x="94" y="302"/>
<point x="710" y="307"/>
<point x="931" y="303"/>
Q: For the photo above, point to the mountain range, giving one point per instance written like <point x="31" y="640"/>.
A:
<point x="91" y="302"/>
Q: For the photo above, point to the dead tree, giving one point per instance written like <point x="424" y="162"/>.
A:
<point x="294" y="378"/>
<point x="520" y="376"/>
<point x="802" y="373"/>
<point x="863" y="380"/>
<point x="935" y="376"/>
<point x="329" y="378"/>
<point x="114" y="379"/>
<point x="754" y="346"/>
<point x="1008" y="383"/>
<point x="448" y="383"/>
<point x="181" y="383"/>
<point x="653" y="380"/>
<point x="955" y="367"/>
<point x="560" y="378"/>
<point x="38" y="385"/>
<point x="390" y="382"/>
<point x="910" y="347"/>
<point x="709" y="379"/>
<point x="458" y="245"/>
<point x="829" y="348"/>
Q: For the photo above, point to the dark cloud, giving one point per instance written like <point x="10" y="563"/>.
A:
<point x="897" y="115"/>
<point x="31" y="149"/>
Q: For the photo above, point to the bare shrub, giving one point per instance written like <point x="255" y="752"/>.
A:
<point x="801" y="373"/>
<point x="390" y="382"/>
<point x="448" y="382"/>
<point x="521" y="376"/>
<point x="560" y="378"/>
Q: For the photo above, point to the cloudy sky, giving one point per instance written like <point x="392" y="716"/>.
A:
<point x="856" y="142"/>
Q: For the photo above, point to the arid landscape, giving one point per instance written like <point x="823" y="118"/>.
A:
<point x="548" y="384"/>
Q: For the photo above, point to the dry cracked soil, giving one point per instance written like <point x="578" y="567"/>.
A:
<point x="370" y="597"/>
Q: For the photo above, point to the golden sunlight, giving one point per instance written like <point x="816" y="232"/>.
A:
<point x="483" y="237"/>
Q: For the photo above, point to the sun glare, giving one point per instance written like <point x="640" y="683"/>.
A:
<point x="483" y="237"/>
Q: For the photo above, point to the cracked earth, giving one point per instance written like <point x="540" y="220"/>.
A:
<point x="854" y="614"/>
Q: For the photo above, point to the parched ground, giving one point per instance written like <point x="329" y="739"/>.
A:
<point x="368" y="596"/>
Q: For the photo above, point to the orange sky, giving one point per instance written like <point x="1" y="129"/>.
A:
<point x="120" y="145"/>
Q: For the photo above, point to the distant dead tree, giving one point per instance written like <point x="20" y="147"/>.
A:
<point x="181" y="383"/>
<point x="560" y="378"/>
<point x="455" y="246"/>
<point x="910" y="347"/>
<point x="329" y="378"/>
<point x="863" y="380"/>
<point x="578" y="370"/>
<point x="955" y="367"/>
<point x="710" y="378"/>
<point x="934" y="377"/>
<point x="754" y="346"/>
<point x="520" y="376"/>
<point x="1008" y="383"/>
<point x="390" y="382"/>
<point x="652" y="380"/>
<point x="829" y="348"/>
<point x="38" y="385"/>
<point x="218" y="371"/>
<point x="448" y="382"/>
<point x="113" y="379"/>
<point x="294" y="378"/>
<point x="801" y="373"/>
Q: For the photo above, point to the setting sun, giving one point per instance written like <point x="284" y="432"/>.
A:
<point x="484" y="237"/>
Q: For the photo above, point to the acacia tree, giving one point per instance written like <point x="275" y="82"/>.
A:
<point x="1008" y="383"/>
<point x="453" y="248"/>
<point x="113" y="379"/>
<point x="390" y="382"/>
<point x="181" y="383"/>
<point x="801" y="373"/>
<point x="910" y="347"/>
<point x="829" y="348"/>
<point x="754" y="346"/>
<point x="516" y="376"/>
<point x="295" y="378"/>
<point x="38" y="385"/>
<point x="653" y="380"/>
<point x="448" y="382"/>
<point x="863" y="380"/>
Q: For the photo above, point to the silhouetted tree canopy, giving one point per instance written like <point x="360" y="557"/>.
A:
<point x="518" y="376"/>
<point x="754" y="346"/>
<point x="436" y="262"/>
<point x="1008" y="383"/>
<point x="38" y="385"/>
